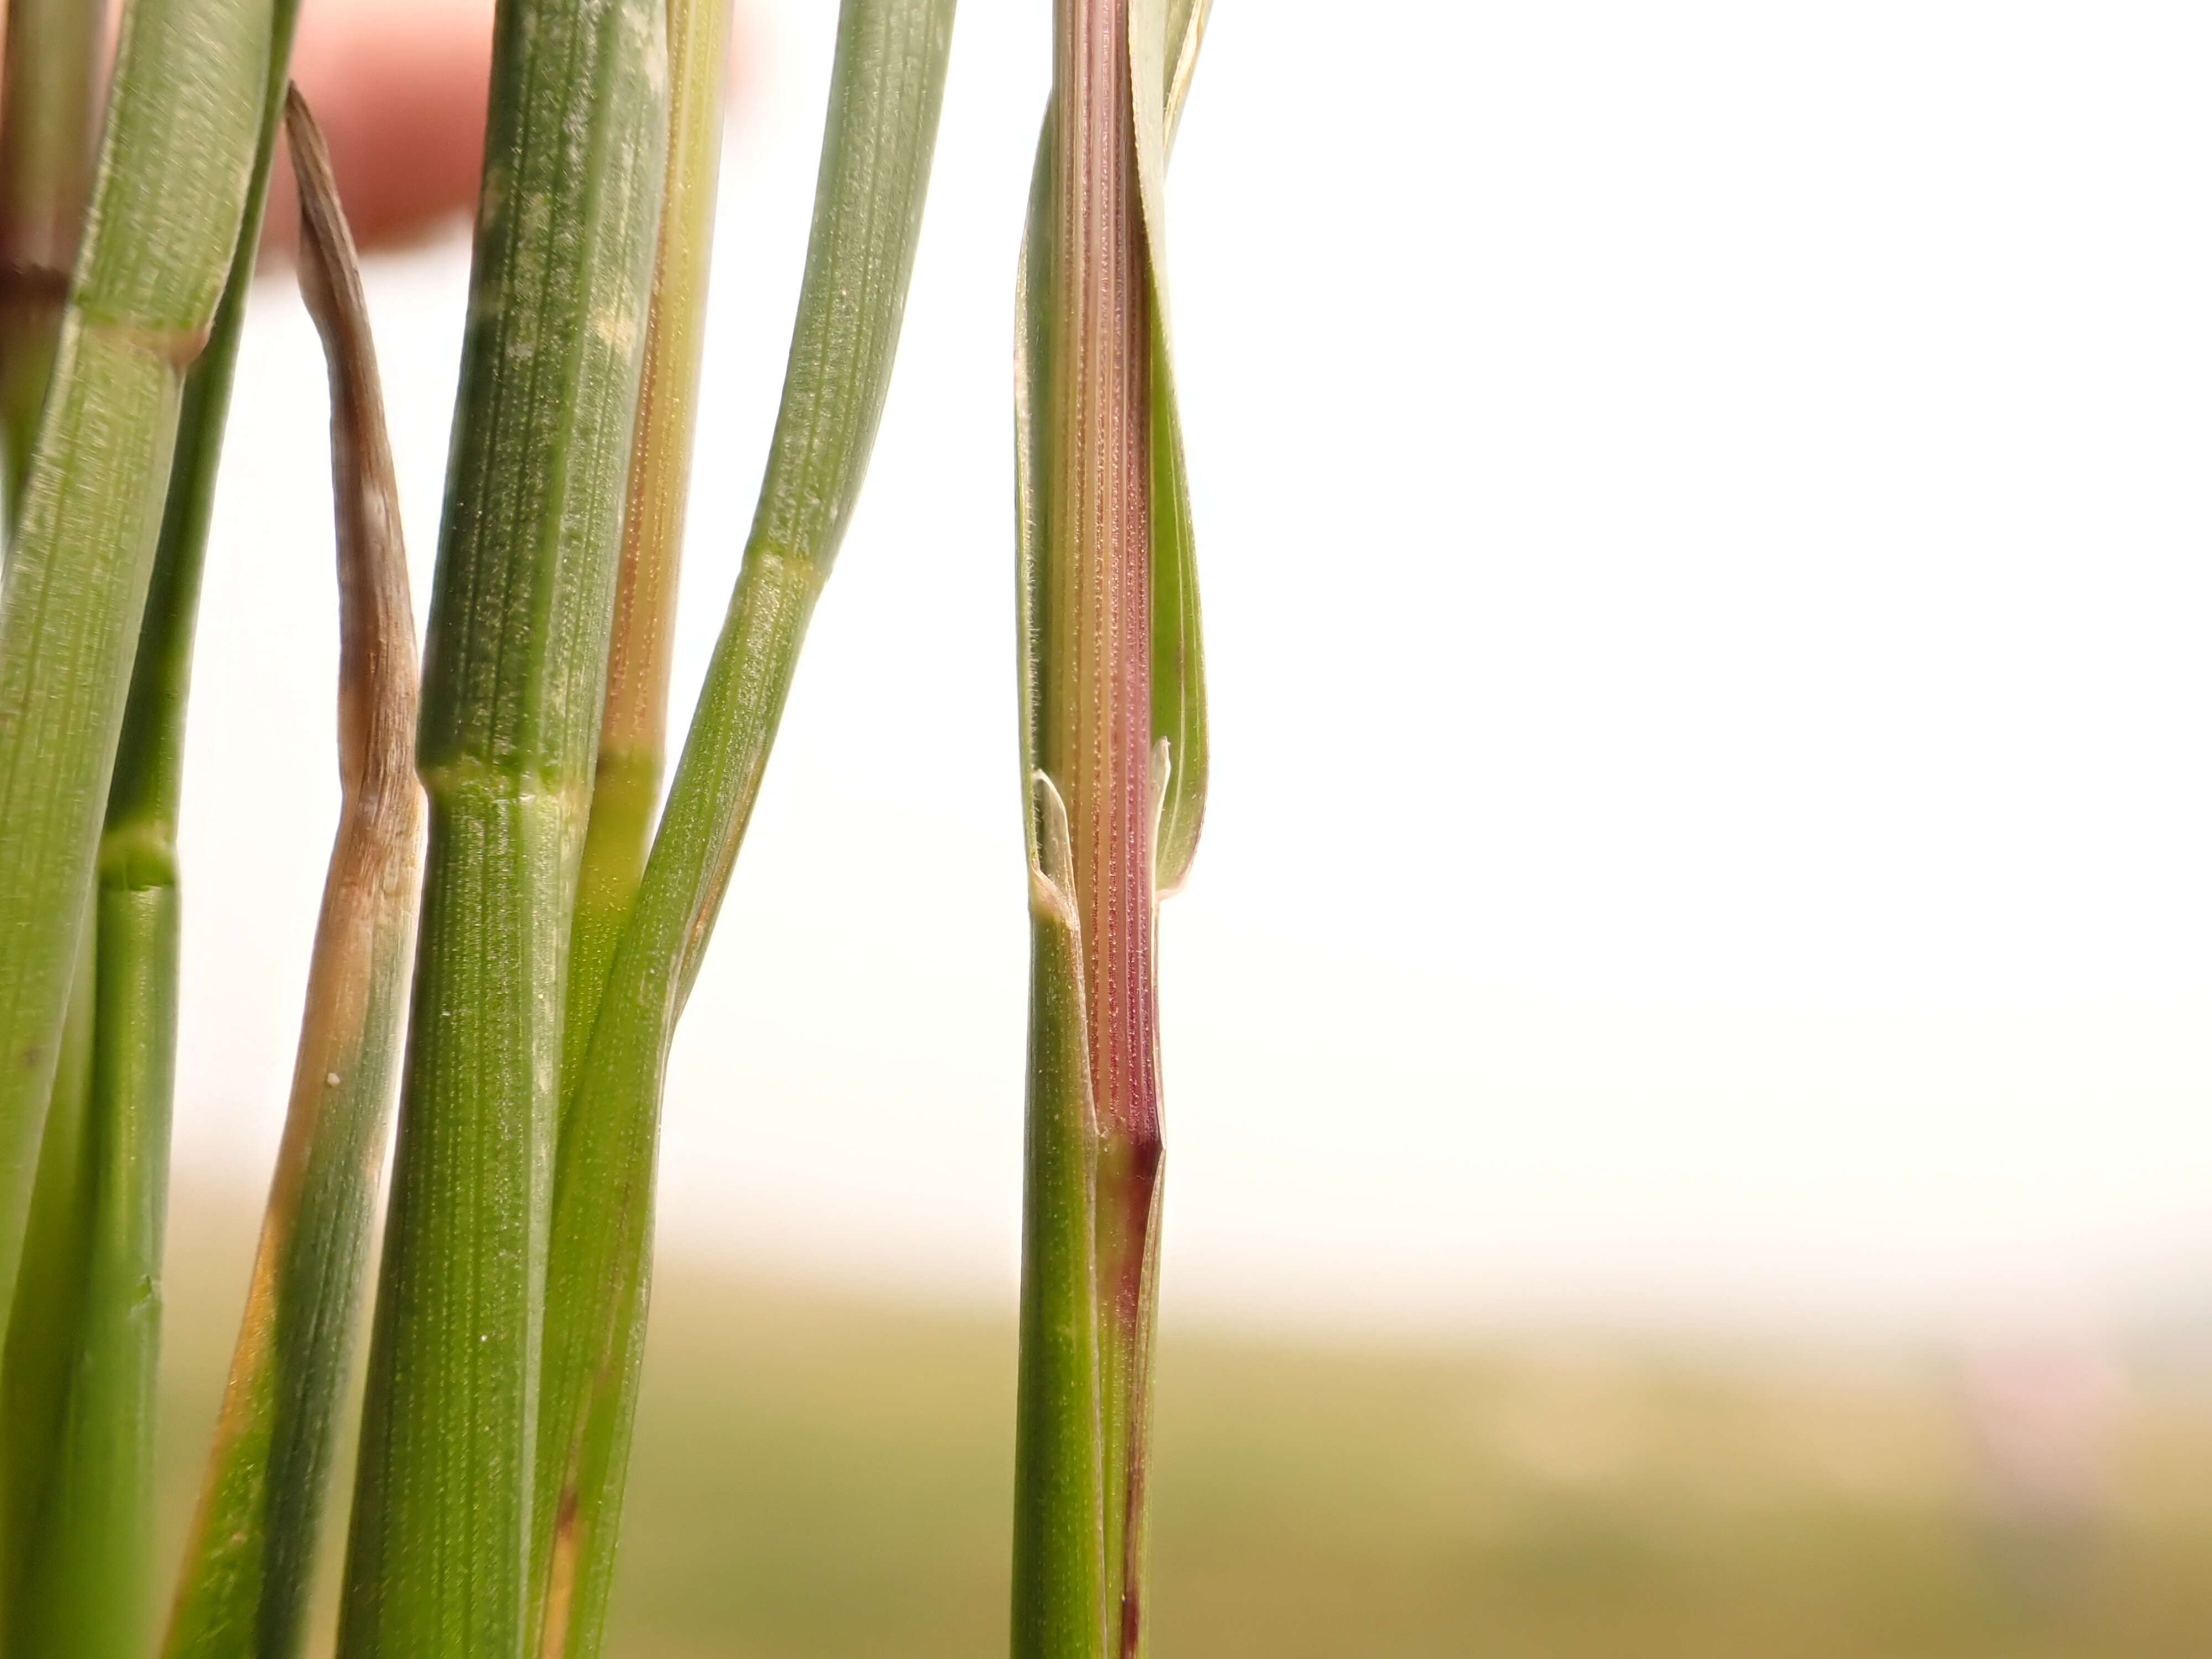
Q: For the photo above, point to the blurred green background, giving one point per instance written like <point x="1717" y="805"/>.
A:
<point x="819" y="1475"/>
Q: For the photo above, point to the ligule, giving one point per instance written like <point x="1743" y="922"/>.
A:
<point x="248" y="1569"/>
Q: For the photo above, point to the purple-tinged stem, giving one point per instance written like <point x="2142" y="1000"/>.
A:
<point x="1097" y="725"/>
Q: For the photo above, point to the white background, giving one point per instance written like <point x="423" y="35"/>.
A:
<point x="1705" y="524"/>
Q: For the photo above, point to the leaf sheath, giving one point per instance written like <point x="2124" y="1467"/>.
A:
<point x="438" y="1558"/>
<point x="85" y="1585"/>
<point x="108" y="1516"/>
<point x="1115" y="750"/>
<point x="49" y="1306"/>
<point x="169" y="195"/>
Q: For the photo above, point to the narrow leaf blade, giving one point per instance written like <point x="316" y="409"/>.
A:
<point x="249" y="1564"/>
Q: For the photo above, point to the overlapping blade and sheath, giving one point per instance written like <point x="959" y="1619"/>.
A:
<point x="1115" y="761"/>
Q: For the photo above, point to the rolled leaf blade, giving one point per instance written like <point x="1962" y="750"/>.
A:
<point x="249" y="1564"/>
<point x="1164" y="37"/>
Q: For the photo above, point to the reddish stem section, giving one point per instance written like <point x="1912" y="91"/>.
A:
<point x="1097" y="724"/>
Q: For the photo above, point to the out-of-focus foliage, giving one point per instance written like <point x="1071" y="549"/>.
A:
<point x="824" y="1478"/>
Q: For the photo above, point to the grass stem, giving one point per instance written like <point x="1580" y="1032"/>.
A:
<point x="886" y="88"/>
<point x="1113" y="704"/>
<point x="86" y="1578"/>
<point x="83" y="1578"/>
<point x="168" y="200"/>
<point x="633" y="724"/>
<point x="438" y="1556"/>
<point x="44" y="1325"/>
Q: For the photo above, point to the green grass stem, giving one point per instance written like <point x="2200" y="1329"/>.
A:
<point x="886" y="89"/>
<point x="45" y="1327"/>
<point x="87" y="1575"/>
<point x="1060" y="1500"/>
<point x="81" y="1578"/>
<point x="139" y="839"/>
<point x="169" y="197"/>
<point x="1115" y="750"/>
<point x="249" y="1564"/>
<point x="438" y="1559"/>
